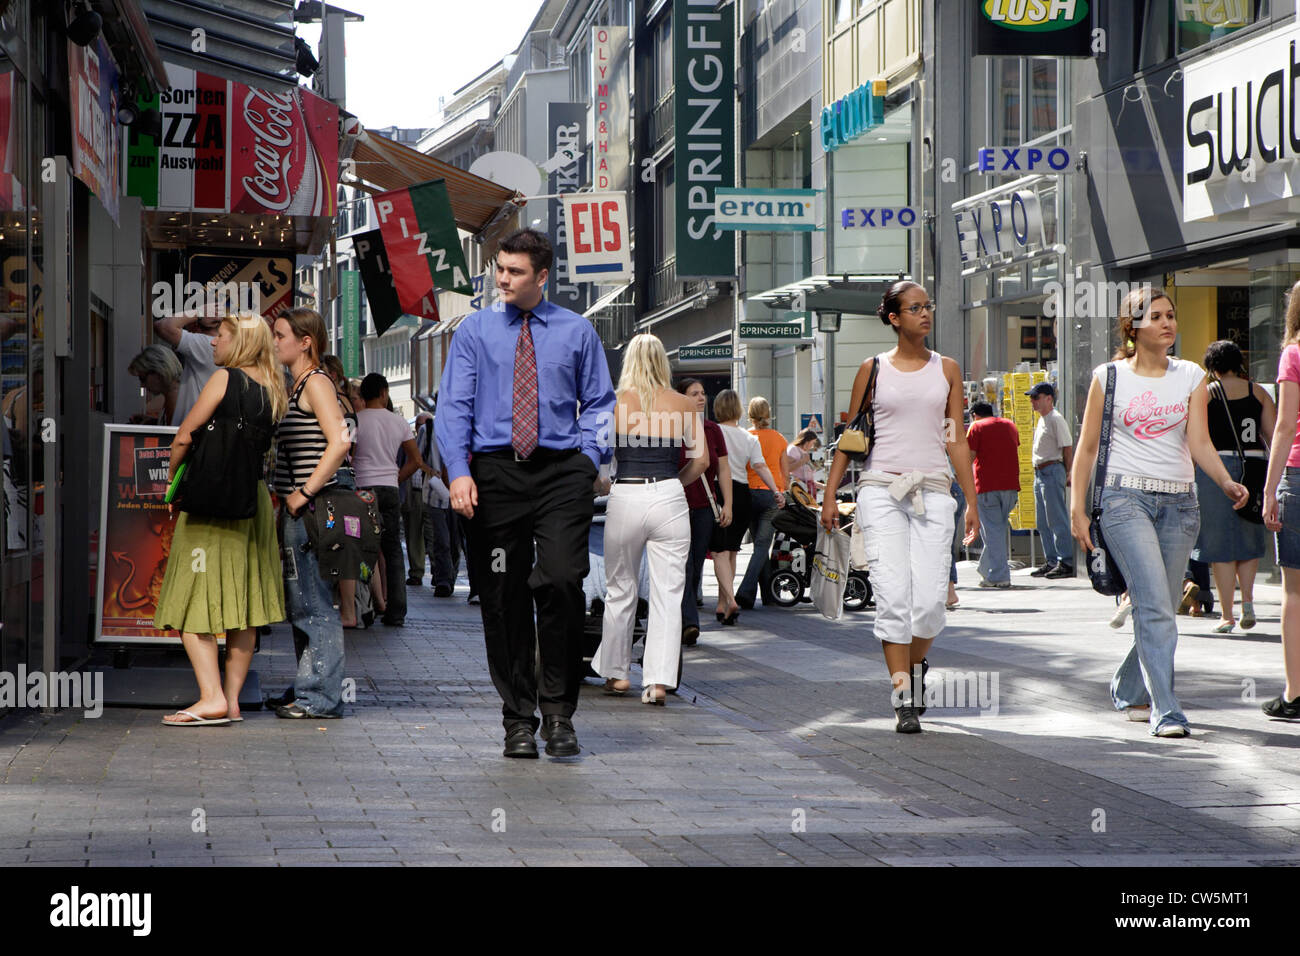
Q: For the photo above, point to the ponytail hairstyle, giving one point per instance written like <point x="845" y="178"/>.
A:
<point x="253" y="346"/>
<point x="1292" y="336"/>
<point x="892" y="302"/>
<point x="1133" y="309"/>
<point x="759" y="412"/>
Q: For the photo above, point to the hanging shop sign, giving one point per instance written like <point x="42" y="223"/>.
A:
<point x="852" y="115"/>
<point x="422" y="245"/>
<point x="269" y="277"/>
<point x="96" y="133"/>
<point x="780" y="331"/>
<point x="1024" y="160"/>
<point x="879" y="217"/>
<point x="227" y="147"/>
<point x="610" y="106"/>
<point x="991" y="230"/>
<point x="765" y="210"/>
<point x="705" y="116"/>
<point x="1240" y="134"/>
<point x="1209" y="16"/>
<point x="598" y="243"/>
<point x="704" y="353"/>
<point x="566" y="140"/>
<point x="135" y="534"/>
<point x="1032" y="28"/>
<point x="377" y="278"/>
<point x="350" y="318"/>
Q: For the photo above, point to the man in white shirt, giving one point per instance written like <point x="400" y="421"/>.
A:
<point x="1053" y="453"/>
<point x="194" y="350"/>
<point x="441" y="527"/>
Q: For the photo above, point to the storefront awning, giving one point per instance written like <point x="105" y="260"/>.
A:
<point x="380" y="164"/>
<point x="605" y="300"/>
<point x="854" y="294"/>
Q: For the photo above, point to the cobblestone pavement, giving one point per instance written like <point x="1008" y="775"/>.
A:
<point x="779" y="749"/>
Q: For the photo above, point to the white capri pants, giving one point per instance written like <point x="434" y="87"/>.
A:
<point x="653" y="518"/>
<point x="909" y="557"/>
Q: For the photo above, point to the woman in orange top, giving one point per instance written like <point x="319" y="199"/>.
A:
<point x="764" y="503"/>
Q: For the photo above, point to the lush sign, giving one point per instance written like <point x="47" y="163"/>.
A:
<point x="1033" y="28"/>
<point x="705" y="106"/>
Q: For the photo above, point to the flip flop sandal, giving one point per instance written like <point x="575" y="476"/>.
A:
<point x="236" y="720"/>
<point x="195" y="720"/>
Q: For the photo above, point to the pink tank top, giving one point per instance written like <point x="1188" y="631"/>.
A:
<point x="910" y="408"/>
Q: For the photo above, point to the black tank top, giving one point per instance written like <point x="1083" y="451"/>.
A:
<point x="1247" y="417"/>
<point x="641" y="456"/>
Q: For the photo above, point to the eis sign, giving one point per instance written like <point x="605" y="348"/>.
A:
<point x="1240" y="133"/>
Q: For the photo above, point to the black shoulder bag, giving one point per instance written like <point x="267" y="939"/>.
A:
<point x="859" y="434"/>
<point x="226" y="463"/>
<point x="1104" y="573"/>
<point x="1254" y="471"/>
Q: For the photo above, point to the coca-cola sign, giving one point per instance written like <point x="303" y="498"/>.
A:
<point x="227" y="147"/>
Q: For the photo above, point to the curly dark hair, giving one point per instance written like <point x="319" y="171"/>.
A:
<point x="1224" y="356"/>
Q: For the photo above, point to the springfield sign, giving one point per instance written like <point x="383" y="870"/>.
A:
<point x="1240" y="133"/>
<point x="766" y="210"/>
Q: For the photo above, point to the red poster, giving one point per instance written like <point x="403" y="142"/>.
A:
<point x="283" y="153"/>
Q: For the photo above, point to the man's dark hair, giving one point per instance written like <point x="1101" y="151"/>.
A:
<point x="982" y="409"/>
<point x="532" y="242"/>
<point x="372" y="386"/>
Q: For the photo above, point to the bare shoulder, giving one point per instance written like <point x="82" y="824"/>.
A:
<point x="951" y="367"/>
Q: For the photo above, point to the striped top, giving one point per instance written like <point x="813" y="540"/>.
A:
<point x="300" y="444"/>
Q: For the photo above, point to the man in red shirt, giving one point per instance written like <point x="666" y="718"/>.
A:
<point x="994" y="444"/>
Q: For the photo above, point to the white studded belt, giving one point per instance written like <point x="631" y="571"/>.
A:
<point x="1158" y="485"/>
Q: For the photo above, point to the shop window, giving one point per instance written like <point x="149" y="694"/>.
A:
<point x="1171" y="27"/>
<point x="1006" y="101"/>
<point x="843" y="10"/>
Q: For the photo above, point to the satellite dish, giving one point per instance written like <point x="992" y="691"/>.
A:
<point x="511" y="170"/>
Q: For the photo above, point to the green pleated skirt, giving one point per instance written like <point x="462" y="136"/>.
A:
<point x="223" y="575"/>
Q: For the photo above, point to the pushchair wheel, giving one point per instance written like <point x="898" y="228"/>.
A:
<point x="787" y="588"/>
<point x="857" y="592"/>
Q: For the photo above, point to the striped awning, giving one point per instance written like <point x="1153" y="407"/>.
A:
<point x="380" y="164"/>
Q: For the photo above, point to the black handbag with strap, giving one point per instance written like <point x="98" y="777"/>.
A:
<point x="227" y="460"/>
<point x="1254" y="471"/>
<point x="1104" y="573"/>
<point x="858" y="435"/>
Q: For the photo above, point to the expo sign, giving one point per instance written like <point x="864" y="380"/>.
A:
<point x="995" y="228"/>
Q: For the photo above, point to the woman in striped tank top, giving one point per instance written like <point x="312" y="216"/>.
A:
<point x="905" y="503"/>
<point x="312" y="441"/>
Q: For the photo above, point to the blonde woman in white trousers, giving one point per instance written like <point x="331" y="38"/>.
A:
<point x="647" y="512"/>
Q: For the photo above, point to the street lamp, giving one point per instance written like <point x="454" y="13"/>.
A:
<point x="829" y="320"/>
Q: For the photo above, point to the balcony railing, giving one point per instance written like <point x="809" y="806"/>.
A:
<point x="662" y="122"/>
<point x="666" y="289"/>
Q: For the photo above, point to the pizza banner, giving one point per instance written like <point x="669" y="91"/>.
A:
<point x="423" y="245"/>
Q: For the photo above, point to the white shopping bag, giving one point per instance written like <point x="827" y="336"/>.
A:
<point x="830" y="572"/>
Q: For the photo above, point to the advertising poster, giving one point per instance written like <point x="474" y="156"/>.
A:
<point x="135" y="534"/>
<point x="96" y="133"/>
<point x="273" y="276"/>
<point x="598" y="243"/>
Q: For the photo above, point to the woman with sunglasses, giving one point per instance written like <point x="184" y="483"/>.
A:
<point x="905" y="505"/>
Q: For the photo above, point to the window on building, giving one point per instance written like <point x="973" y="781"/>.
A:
<point x="843" y="10"/>
<point x="1043" y="86"/>
<point x="666" y="214"/>
<point x="663" y="58"/>
<point x="1170" y="27"/>
<point x="1005" y="100"/>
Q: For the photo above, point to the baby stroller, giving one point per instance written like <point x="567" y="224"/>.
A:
<point x="792" y="550"/>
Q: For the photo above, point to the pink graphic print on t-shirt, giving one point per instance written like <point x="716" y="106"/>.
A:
<point x="1153" y="420"/>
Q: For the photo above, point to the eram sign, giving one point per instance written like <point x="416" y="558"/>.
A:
<point x="597" y="237"/>
<point x="765" y="210"/>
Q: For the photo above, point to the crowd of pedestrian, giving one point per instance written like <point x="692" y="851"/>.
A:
<point x="506" y="469"/>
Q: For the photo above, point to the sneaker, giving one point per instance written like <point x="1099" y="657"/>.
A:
<point x="1062" y="570"/>
<point x="908" y="720"/>
<point x="1282" y="708"/>
<point x="984" y="583"/>
<point x="1042" y="569"/>
<point x="920" y="692"/>
<point x="1121" y="614"/>
<point x="1138" y="715"/>
<point x="1190" y="590"/>
<point x="1172" y="729"/>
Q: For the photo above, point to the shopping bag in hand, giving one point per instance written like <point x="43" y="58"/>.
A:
<point x="830" y="572"/>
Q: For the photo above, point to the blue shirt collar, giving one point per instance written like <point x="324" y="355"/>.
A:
<point x="541" y="313"/>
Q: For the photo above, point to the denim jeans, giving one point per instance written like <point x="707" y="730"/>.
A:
<point x="317" y="628"/>
<point x="390" y="543"/>
<point x="701" y="530"/>
<point x="439" y="526"/>
<point x="1051" y="516"/>
<point x="995" y="511"/>
<point x="958" y="528"/>
<point x="758" y="576"/>
<point x="1150" y="536"/>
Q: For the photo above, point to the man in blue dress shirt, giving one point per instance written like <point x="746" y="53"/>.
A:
<point x="526" y="393"/>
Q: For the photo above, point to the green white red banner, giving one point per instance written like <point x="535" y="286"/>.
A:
<point x="422" y="244"/>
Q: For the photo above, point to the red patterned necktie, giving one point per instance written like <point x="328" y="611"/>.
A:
<point x="523" y="437"/>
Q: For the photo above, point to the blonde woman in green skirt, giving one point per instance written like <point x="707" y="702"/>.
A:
<point x="237" y="586"/>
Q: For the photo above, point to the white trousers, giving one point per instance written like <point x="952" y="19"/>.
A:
<point x="653" y="518"/>
<point x="908" y="557"/>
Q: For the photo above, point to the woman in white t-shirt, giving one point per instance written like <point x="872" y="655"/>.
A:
<point x="742" y="449"/>
<point x="1149" y="512"/>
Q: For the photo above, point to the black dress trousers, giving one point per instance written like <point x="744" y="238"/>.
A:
<point x="548" y="501"/>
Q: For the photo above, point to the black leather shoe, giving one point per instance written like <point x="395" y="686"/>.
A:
<point x="284" y="700"/>
<point x="690" y="634"/>
<point x="1042" y="570"/>
<point x="1280" y="707"/>
<point x="1062" y="570"/>
<point x="441" y="590"/>
<point x="520" y="743"/>
<point x="561" y="740"/>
